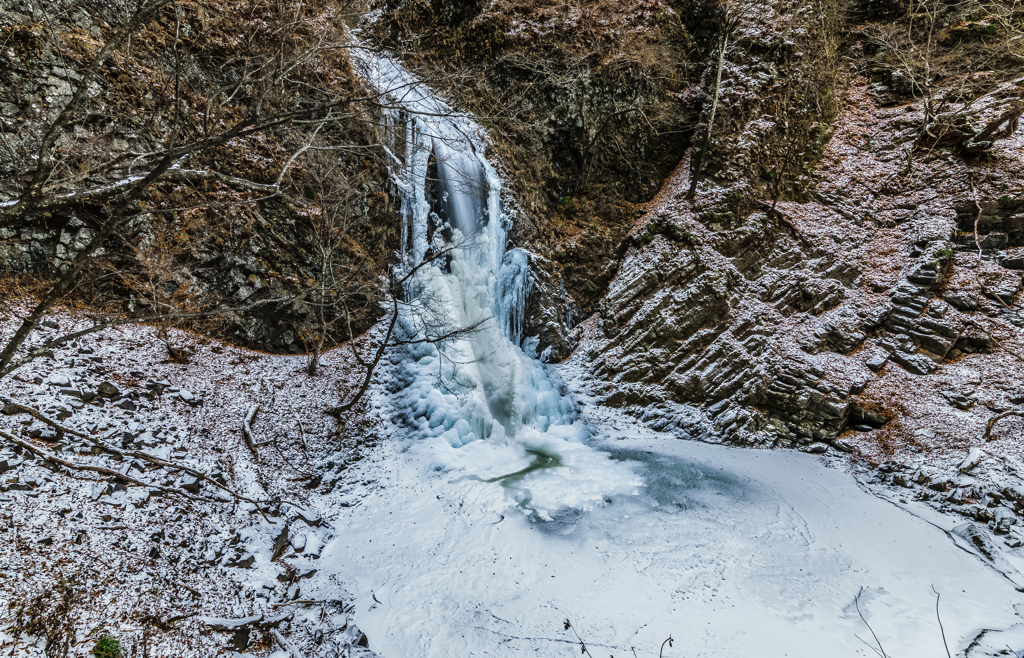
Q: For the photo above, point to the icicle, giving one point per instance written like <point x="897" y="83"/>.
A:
<point x="514" y="288"/>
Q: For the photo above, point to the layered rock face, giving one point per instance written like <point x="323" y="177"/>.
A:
<point x="867" y="307"/>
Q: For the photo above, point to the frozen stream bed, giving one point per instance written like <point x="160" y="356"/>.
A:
<point x="733" y="552"/>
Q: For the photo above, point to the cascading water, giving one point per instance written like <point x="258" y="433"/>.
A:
<point x="477" y="401"/>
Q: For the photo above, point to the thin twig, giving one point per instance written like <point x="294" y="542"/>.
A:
<point x="856" y="601"/>
<point x="937" y="616"/>
<point x="583" y="645"/>
<point x="302" y="435"/>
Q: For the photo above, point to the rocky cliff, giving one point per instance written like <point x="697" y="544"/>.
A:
<point x="861" y="310"/>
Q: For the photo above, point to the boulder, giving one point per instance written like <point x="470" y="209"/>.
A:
<point x="916" y="364"/>
<point x="957" y="400"/>
<point x="972" y="459"/>
<point x="977" y="536"/>
<point x="876" y="363"/>
<point x="58" y="380"/>
<point x="108" y="390"/>
<point x="244" y="562"/>
<point x="309" y="516"/>
<point x="44" y="433"/>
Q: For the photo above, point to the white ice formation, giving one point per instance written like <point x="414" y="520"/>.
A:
<point x="476" y="402"/>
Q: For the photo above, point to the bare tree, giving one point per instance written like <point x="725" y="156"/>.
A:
<point x="965" y="73"/>
<point x="339" y="278"/>
<point x="706" y="127"/>
<point x="428" y="320"/>
<point x="287" y="80"/>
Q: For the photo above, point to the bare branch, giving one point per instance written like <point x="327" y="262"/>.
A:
<point x="987" y="436"/>
<point x="163" y="463"/>
<point x="14" y="364"/>
<point x="247" y="431"/>
<point x="856" y="601"/>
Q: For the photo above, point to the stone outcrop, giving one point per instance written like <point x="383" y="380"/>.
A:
<point x="790" y="325"/>
<point x="1000" y="223"/>
<point x="695" y="316"/>
<point x="550" y="312"/>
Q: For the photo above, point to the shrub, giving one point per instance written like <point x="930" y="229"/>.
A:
<point x="107" y="647"/>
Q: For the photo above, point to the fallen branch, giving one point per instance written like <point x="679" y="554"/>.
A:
<point x="95" y="469"/>
<point x="247" y="431"/>
<point x="192" y="591"/>
<point x="941" y="627"/>
<point x="221" y="624"/>
<point x="165" y="624"/>
<point x="285" y="644"/>
<point x="228" y="625"/>
<point x="987" y="436"/>
<point x="299" y="602"/>
<point x="144" y="457"/>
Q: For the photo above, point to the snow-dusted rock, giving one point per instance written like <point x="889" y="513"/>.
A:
<point x="973" y="458"/>
<point x="108" y="390"/>
<point x="58" y="380"/>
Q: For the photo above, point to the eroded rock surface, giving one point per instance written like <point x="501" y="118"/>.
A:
<point x="868" y="307"/>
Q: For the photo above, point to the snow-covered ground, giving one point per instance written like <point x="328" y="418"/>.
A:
<point x="730" y="551"/>
<point x="178" y="566"/>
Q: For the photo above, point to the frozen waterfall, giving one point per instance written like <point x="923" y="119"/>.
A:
<point x="476" y="402"/>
